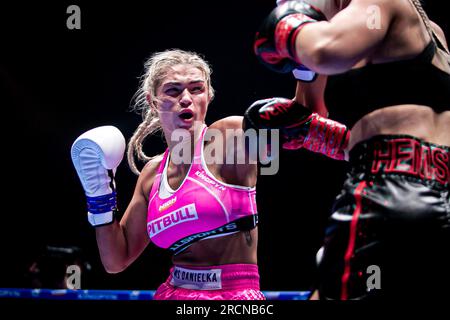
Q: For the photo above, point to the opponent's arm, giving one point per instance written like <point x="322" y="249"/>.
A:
<point x="351" y="35"/>
<point x="311" y="95"/>
<point x="295" y="31"/>
<point x="439" y="34"/>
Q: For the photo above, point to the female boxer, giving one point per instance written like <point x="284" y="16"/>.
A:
<point x="203" y="211"/>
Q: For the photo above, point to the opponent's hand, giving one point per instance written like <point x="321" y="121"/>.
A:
<point x="95" y="155"/>
<point x="275" y="41"/>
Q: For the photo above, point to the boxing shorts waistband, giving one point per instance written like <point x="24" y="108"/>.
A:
<point x="402" y="155"/>
<point x="223" y="277"/>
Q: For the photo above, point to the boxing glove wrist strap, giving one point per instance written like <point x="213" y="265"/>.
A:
<point x="327" y="137"/>
<point x="101" y="209"/>
<point x="102" y="204"/>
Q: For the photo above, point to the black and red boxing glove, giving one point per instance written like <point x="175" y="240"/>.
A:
<point x="275" y="41"/>
<point x="299" y="127"/>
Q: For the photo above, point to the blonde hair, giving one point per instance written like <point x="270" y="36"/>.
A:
<point x="156" y="69"/>
<point x="425" y="19"/>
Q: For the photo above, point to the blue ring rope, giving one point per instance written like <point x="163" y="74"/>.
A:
<point x="118" y="295"/>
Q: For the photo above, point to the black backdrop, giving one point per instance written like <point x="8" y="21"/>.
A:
<point x="56" y="83"/>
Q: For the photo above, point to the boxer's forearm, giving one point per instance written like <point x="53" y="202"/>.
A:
<point x="112" y="246"/>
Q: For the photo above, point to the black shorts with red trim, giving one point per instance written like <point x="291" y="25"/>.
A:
<point x="389" y="235"/>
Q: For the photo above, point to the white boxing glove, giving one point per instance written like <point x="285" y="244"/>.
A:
<point x="95" y="155"/>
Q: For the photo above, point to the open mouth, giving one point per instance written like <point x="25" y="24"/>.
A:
<point x="186" y="115"/>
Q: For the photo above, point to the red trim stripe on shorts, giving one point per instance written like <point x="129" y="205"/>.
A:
<point x="351" y="241"/>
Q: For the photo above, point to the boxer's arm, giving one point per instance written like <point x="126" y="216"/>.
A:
<point x="311" y="95"/>
<point x="335" y="46"/>
<point x="120" y="243"/>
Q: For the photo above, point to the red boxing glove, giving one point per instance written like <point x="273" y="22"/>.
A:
<point x="318" y="134"/>
<point x="275" y="41"/>
<point x="299" y="127"/>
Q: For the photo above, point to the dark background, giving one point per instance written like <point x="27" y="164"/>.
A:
<point x="57" y="83"/>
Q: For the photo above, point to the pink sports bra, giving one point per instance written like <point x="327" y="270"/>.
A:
<point x="202" y="207"/>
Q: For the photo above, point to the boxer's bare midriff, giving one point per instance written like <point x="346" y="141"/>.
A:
<point x="236" y="248"/>
<point x="419" y="121"/>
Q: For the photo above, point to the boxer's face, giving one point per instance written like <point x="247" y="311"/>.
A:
<point x="182" y="98"/>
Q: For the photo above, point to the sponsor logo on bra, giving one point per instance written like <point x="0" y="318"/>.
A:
<point x="183" y="214"/>
<point x="210" y="181"/>
<point x="167" y="204"/>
